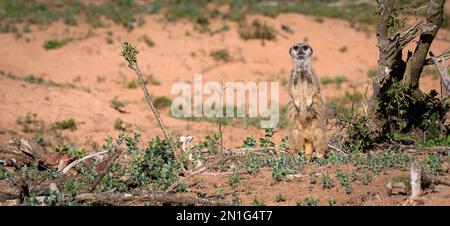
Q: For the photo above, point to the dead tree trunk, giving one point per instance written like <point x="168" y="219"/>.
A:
<point x="414" y="65"/>
<point x="391" y="66"/>
<point x="392" y="69"/>
<point x="443" y="70"/>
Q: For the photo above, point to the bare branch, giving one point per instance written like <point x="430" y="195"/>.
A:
<point x="74" y="163"/>
<point x="129" y="52"/>
<point x="435" y="17"/>
<point x="123" y="198"/>
<point x="414" y="149"/>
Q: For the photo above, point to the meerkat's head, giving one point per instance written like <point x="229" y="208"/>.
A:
<point x="301" y="52"/>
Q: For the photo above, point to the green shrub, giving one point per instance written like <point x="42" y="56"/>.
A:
<point x="157" y="166"/>
<point x="220" y="55"/>
<point x="280" y="198"/>
<point x="54" y="44"/>
<point x="404" y="110"/>
<point x="343" y="178"/>
<point x="148" y="41"/>
<point x="120" y="125"/>
<point x="327" y="183"/>
<point x="117" y="104"/>
<point x="75" y="152"/>
<point x="257" y="30"/>
<point x="234" y="178"/>
<point x="67" y="124"/>
<point x="343" y="49"/>
<point x="162" y="102"/>
<point x="360" y="134"/>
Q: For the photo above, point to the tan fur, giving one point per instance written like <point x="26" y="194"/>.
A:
<point x="306" y="123"/>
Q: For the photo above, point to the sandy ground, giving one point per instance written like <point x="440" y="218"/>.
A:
<point x="180" y="52"/>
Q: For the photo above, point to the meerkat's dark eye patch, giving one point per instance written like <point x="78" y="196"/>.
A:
<point x="295" y="48"/>
<point x="305" y="47"/>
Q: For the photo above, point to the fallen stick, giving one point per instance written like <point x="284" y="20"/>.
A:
<point x="120" y="198"/>
<point x="428" y="180"/>
<point x="202" y="169"/>
<point x="244" y="150"/>
<point x="414" y="149"/>
<point x="337" y="149"/>
<point x="74" y="163"/>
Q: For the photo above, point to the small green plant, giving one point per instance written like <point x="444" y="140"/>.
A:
<point x="75" y="152"/>
<point x="332" y="202"/>
<point x="30" y="123"/>
<point x="327" y="183"/>
<point x="150" y="79"/>
<point x="266" y="141"/>
<point x="354" y="176"/>
<point x="367" y="178"/>
<point x="257" y="30"/>
<point x="120" y="125"/>
<point x="210" y="143"/>
<point x="319" y="19"/>
<point x="249" y="142"/>
<point x="280" y="198"/>
<point x="162" y="102"/>
<point x="109" y="37"/>
<point x="434" y="164"/>
<point x="219" y="193"/>
<point x="252" y="163"/>
<point x="372" y="73"/>
<point x="33" y="79"/>
<point x="343" y="49"/>
<point x="284" y="145"/>
<point x="54" y="44"/>
<point x="234" y="178"/>
<point x="147" y="40"/>
<point x="101" y="79"/>
<point x="117" y="104"/>
<point x="70" y="124"/>
<point x="284" y="81"/>
<point x="256" y="202"/>
<point x="310" y="201"/>
<point x="338" y="80"/>
<point x="326" y="80"/>
<point x="279" y="169"/>
<point x="343" y="178"/>
<point x="220" y="55"/>
<point x="133" y="84"/>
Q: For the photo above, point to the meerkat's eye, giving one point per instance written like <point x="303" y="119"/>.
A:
<point x="295" y="48"/>
<point x="305" y="47"/>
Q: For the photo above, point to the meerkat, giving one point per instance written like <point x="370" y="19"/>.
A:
<point x="306" y="108"/>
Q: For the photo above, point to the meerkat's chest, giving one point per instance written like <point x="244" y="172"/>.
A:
<point x="304" y="91"/>
<point x="307" y="90"/>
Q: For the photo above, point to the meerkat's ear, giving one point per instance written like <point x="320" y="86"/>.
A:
<point x="312" y="51"/>
<point x="290" y="50"/>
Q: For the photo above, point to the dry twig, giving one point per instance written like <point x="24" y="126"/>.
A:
<point x="130" y="52"/>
